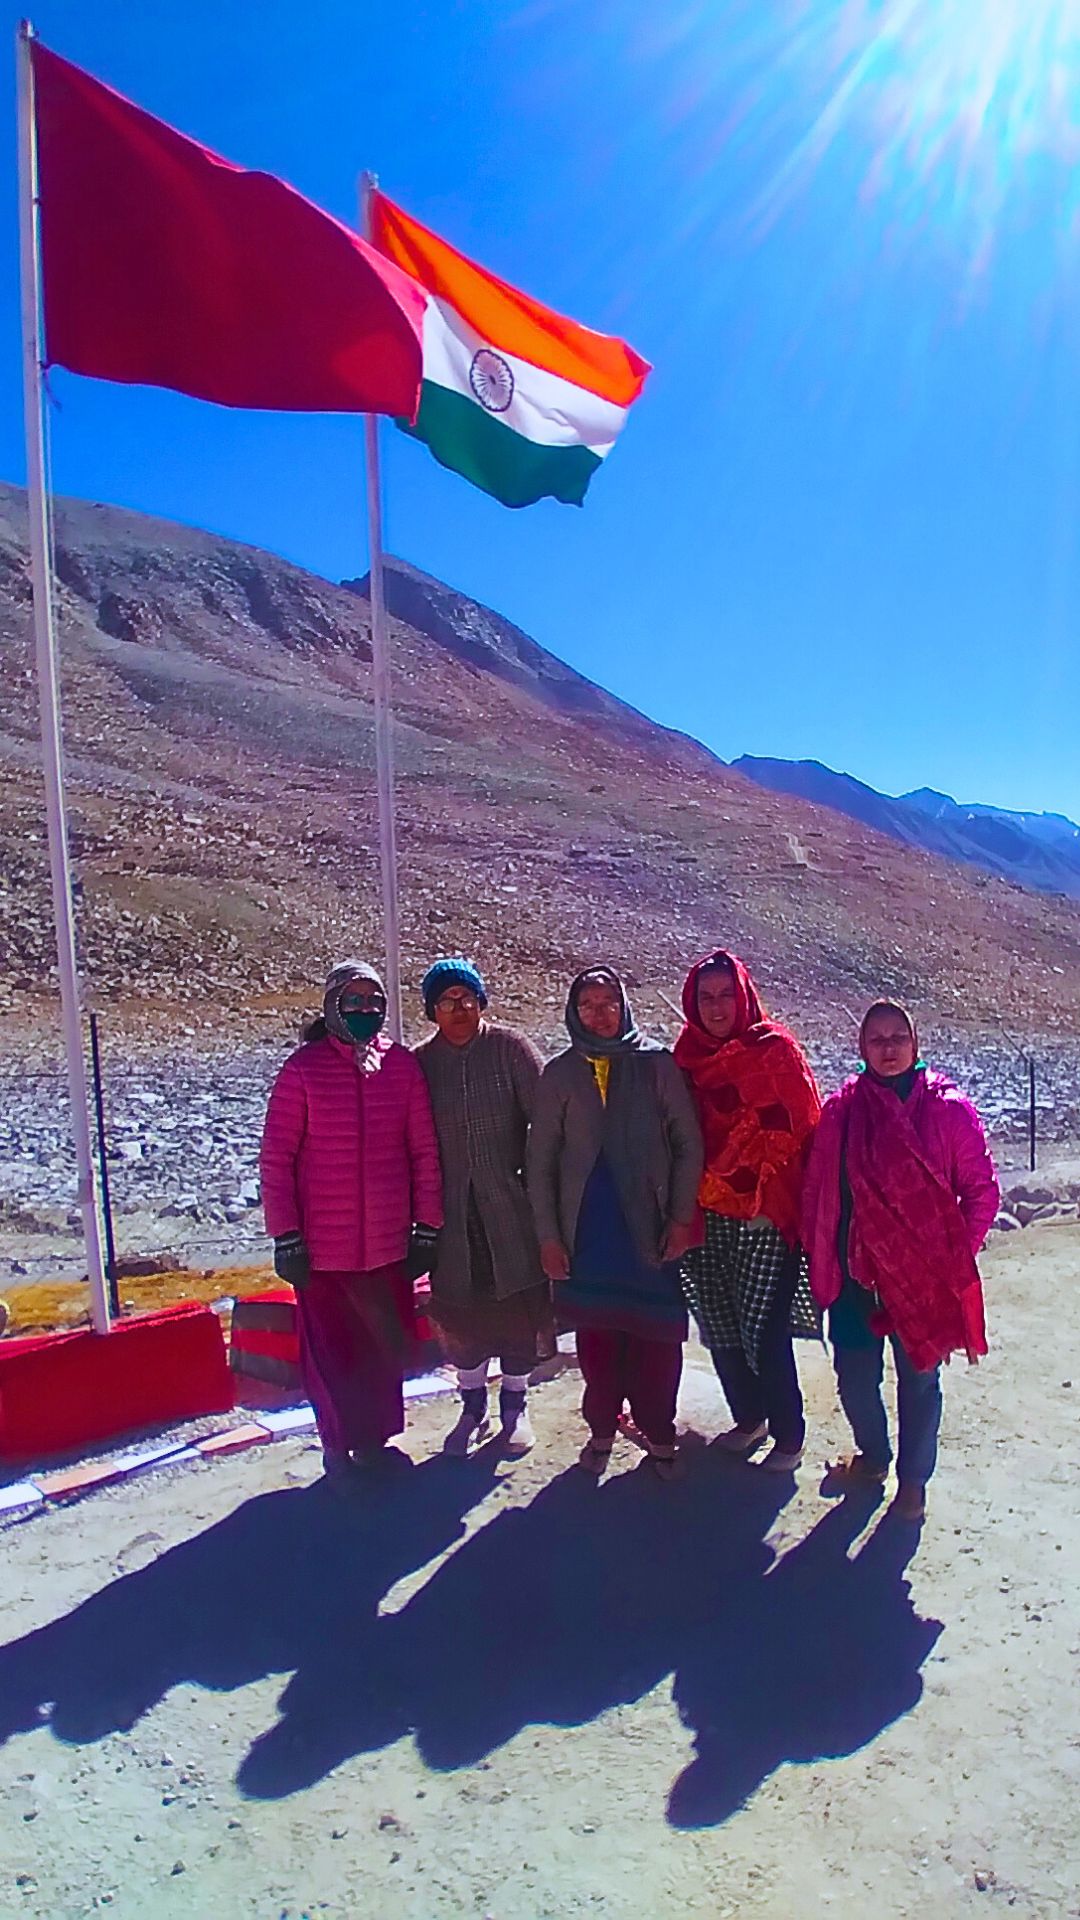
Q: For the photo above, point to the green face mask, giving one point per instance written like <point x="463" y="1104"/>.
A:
<point x="363" y="1026"/>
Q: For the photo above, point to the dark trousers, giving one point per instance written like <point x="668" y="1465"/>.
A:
<point x="356" y="1338"/>
<point x="773" y="1393"/>
<point x="859" y="1373"/>
<point x="620" y="1367"/>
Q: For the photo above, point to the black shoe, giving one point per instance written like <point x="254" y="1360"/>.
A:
<point x="338" y="1473"/>
<point x="367" y="1463"/>
<point x="472" y="1423"/>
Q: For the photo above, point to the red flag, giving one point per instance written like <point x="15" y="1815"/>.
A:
<point x="167" y="266"/>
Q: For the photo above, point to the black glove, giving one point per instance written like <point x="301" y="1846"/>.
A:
<point x="291" y="1261"/>
<point x="423" y="1246"/>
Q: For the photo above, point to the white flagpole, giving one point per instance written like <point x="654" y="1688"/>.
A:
<point x="47" y="676"/>
<point x="384" y="716"/>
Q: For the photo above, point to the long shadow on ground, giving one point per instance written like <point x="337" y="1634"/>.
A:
<point x="813" y="1664"/>
<point x="267" y="1590"/>
<point x="551" y="1613"/>
<point x="589" y="1597"/>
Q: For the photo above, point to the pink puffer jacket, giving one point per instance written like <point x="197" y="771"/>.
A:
<point x="349" y="1156"/>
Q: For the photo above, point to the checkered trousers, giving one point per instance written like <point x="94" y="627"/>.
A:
<point x="733" y="1285"/>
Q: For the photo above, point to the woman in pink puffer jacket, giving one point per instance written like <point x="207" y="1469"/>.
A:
<point x="352" y="1194"/>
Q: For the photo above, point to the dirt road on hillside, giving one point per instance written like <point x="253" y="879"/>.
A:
<point x="503" y="1691"/>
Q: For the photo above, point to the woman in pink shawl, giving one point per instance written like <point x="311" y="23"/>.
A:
<point x="899" y="1195"/>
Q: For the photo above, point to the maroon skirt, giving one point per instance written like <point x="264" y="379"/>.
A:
<point x="357" y="1339"/>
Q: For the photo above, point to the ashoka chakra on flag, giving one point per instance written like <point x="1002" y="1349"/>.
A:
<point x="492" y="380"/>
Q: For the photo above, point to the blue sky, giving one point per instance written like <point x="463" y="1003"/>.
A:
<point x="843" y="521"/>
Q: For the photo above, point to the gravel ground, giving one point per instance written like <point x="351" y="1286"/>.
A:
<point x="486" y="1689"/>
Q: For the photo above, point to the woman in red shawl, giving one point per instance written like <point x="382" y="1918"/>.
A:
<point x="900" y="1193"/>
<point x="746" y="1286"/>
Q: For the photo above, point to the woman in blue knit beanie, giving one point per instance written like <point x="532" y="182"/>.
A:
<point x="489" y="1297"/>
<point x="457" y="972"/>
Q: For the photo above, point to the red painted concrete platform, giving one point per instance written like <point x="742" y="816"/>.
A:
<point x="63" y="1391"/>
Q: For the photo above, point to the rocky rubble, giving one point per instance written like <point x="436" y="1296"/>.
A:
<point x="1031" y="1202"/>
<point x="184" y="1126"/>
<point x="182" y="1159"/>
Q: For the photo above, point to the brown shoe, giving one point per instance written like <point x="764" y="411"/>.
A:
<point x="854" y="1474"/>
<point x="665" y="1462"/>
<point x="742" y="1439"/>
<point x="595" y="1456"/>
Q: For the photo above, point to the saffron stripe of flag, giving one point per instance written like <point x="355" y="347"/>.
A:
<point x="516" y="398"/>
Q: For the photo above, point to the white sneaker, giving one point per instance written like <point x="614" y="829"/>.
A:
<point x="517" y="1433"/>
<point x="741" y="1440"/>
<point x="777" y="1461"/>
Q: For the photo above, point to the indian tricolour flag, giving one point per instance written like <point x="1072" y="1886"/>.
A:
<point x="521" y="401"/>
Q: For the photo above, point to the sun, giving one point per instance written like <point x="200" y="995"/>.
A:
<point x="1003" y="70"/>
<point x="954" y="101"/>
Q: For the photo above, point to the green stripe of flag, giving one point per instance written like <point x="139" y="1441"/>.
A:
<point x="463" y="436"/>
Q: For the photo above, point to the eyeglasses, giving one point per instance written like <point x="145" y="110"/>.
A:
<point x="461" y="997"/>
<point x="362" y="1003"/>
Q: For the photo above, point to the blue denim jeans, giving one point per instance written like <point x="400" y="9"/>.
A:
<point x="859" y="1373"/>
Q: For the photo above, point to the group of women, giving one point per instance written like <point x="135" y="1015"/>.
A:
<point x="613" y="1191"/>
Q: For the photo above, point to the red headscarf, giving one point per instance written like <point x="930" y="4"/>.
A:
<point x="757" y="1102"/>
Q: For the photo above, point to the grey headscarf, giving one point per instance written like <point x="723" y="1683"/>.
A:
<point x="627" y="1040"/>
<point x="346" y="974"/>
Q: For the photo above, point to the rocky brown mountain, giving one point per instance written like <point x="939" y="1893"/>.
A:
<point x="219" y="736"/>
<point x="491" y="644"/>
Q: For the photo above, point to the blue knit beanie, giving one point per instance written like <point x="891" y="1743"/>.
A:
<point x="457" y="972"/>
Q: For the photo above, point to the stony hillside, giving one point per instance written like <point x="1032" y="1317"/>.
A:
<point x="492" y="645"/>
<point x="219" y="735"/>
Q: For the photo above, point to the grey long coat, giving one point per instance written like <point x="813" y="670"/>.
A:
<point x="482" y="1098"/>
<point x="648" y="1129"/>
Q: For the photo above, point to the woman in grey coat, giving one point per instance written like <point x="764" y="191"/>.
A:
<point x="615" y="1158"/>
<point x="489" y="1297"/>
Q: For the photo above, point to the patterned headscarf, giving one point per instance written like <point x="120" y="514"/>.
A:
<point x="756" y="1099"/>
<point x="749" y="1011"/>
<point x="887" y="1006"/>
